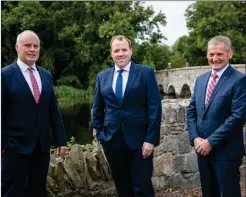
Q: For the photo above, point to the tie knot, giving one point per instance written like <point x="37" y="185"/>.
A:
<point x="31" y="69"/>
<point x="121" y="71"/>
<point x="214" y="75"/>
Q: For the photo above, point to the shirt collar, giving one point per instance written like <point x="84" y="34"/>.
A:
<point x="219" y="73"/>
<point x="24" y="66"/>
<point x="126" y="68"/>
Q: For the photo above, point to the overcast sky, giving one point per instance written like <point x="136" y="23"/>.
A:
<point x="174" y="11"/>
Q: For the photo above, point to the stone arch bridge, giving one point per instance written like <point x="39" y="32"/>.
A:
<point x="179" y="82"/>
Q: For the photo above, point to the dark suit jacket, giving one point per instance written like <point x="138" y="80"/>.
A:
<point x="139" y="114"/>
<point x="223" y="119"/>
<point x="24" y="121"/>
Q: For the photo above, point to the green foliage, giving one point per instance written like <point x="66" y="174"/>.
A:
<point x="69" y="80"/>
<point x="75" y="35"/>
<point x="87" y="147"/>
<point x="71" y="142"/>
<point x="177" y="58"/>
<point x="68" y="92"/>
<point x="52" y="149"/>
<point x="155" y="55"/>
<point x="208" y="19"/>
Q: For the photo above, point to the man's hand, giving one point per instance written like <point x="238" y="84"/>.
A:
<point x="203" y="147"/>
<point x="147" y="149"/>
<point x="197" y="141"/>
<point x="61" y="151"/>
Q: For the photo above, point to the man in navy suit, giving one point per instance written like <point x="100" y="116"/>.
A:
<point x="127" y="117"/>
<point x="215" y="118"/>
<point x="29" y="108"/>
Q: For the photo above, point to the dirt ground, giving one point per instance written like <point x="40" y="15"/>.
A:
<point x="172" y="192"/>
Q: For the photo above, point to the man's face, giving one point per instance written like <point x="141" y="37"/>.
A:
<point x="218" y="56"/>
<point x="121" y="52"/>
<point x="28" y="48"/>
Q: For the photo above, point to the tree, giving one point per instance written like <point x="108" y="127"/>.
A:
<point x="208" y="19"/>
<point x="177" y="57"/>
<point x="155" y="55"/>
<point x="75" y="36"/>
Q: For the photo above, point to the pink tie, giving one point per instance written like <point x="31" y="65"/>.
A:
<point x="34" y="85"/>
<point x="211" y="87"/>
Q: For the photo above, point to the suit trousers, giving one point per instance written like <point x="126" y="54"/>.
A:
<point x="219" y="177"/>
<point x="131" y="173"/>
<point x="24" y="175"/>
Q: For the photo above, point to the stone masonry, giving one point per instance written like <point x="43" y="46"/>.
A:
<point x="85" y="173"/>
<point x="175" y="162"/>
<point x="178" y="78"/>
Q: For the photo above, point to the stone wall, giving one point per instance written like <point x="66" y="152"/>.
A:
<point x="175" y="162"/>
<point x="177" y="78"/>
<point x="85" y="173"/>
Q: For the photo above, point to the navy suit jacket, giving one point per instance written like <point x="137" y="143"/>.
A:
<point x="138" y="115"/>
<point x="221" y="122"/>
<point x="23" y="120"/>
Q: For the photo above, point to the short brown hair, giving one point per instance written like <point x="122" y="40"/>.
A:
<point x="120" y="38"/>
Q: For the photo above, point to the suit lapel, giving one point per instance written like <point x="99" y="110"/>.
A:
<point x="44" y="82"/>
<point x="131" y="79"/>
<point x="204" y="88"/>
<point x="111" y="77"/>
<point x="21" y="79"/>
<point x="110" y="87"/>
<point x="224" y="77"/>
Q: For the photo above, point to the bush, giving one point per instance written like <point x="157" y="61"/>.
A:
<point x="69" y="80"/>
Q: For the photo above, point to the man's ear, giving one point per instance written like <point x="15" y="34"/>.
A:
<point x="17" y="48"/>
<point x="230" y="54"/>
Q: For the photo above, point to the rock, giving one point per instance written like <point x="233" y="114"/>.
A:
<point x="78" y="159"/>
<point x="91" y="163"/>
<point x="163" y="165"/>
<point x="71" y="170"/>
<point x="178" y="163"/>
<point x="191" y="162"/>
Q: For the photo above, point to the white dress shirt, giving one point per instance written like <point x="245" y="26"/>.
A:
<point x="217" y="79"/>
<point x="125" y="75"/>
<point x="24" y="69"/>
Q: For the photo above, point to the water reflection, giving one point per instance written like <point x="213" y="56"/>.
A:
<point x="77" y="121"/>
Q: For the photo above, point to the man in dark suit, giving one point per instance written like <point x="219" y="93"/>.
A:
<point x="215" y="119"/>
<point x="127" y="117"/>
<point x="29" y="108"/>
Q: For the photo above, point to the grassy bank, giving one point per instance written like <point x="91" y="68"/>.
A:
<point x="67" y="95"/>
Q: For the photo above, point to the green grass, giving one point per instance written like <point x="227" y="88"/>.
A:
<point x="68" y="96"/>
<point x="65" y="92"/>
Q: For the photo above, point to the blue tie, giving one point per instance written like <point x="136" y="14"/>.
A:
<point x="118" y="88"/>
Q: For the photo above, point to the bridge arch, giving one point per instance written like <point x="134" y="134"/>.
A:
<point x="185" y="91"/>
<point x="171" y="92"/>
<point x="161" y="89"/>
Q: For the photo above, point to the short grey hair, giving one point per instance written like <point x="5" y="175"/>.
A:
<point x="26" y="31"/>
<point x="221" y="39"/>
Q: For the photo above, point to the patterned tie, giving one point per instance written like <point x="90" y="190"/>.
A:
<point x="211" y="88"/>
<point x="118" y="88"/>
<point x="36" y="92"/>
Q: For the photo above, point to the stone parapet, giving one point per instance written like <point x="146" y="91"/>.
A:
<point x="176" y="80"/>
<point x="85" y="173"/>
<point x="175" y="161"/>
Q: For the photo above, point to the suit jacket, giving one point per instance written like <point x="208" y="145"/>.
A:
<point x="138" y="115"/>
<point x="221" y="122"/>
<point x="23" y="120"/>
